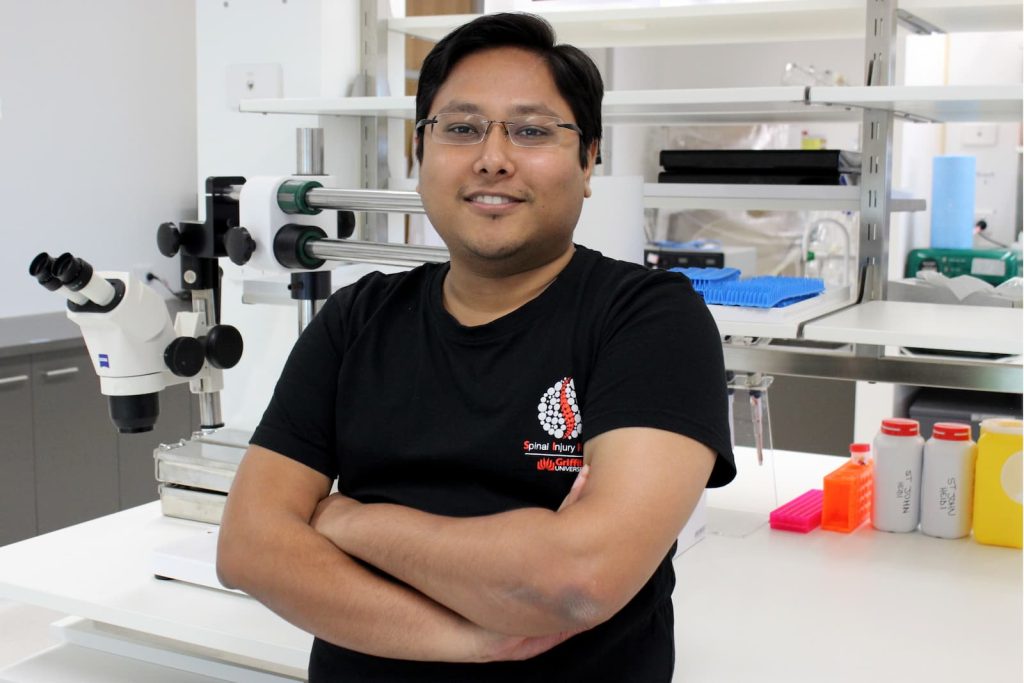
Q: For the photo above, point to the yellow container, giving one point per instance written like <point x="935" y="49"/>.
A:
<point x="997" y="483"/>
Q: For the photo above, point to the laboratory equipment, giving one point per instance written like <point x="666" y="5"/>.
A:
<point x="847" y="499"/>
<point x="896" y="498"/>
<point x="134" y="347"/>
<point x="997" y="484"/>
<point x="802" y="514"/>
<point x="825" y="248"/>
<point x="994" y="266"/>
<point x="952" y="206"/>
<point x="760" y="166"/>
<point x="947" y="481"/>
<point x="666" y="254"/>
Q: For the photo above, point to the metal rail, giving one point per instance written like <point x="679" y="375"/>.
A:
<point x="383" y="201"/>
<point x="375" y="252"/>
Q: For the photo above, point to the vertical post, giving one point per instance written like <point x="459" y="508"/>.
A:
<point x="210" y="417"/>
<point x="309" y="151"/>
<point x="373" y="132"/>
<point x="876" y="152"/>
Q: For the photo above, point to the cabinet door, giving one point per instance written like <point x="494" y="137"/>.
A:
<point x="17" y="491"/>
<point x="75" y="441"/>
<point x="136" y="467"/>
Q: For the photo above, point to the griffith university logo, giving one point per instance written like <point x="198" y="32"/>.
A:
<point x="558" y="412"/>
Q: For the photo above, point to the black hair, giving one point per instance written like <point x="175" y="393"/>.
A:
<point x="575" y="74"/>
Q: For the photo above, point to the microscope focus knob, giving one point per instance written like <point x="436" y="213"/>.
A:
<point x="240" y="245"/>
<point x="168" y="239"/>
<point x="184" y="356"/>
<point x="223" y="346"/>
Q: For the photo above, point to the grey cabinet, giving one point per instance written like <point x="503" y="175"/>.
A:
<point x="76" y="476"/>
<point x="17" y="493"/>
<point x="61" y="459"/>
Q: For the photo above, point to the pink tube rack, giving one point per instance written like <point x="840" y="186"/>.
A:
<point x="802" y="514"/>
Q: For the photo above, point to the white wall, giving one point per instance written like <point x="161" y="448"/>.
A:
<point x="97" y="136"/>
<point x="965" y="59"/>
<point x="314" y="46"/>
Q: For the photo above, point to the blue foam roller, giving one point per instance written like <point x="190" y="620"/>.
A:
<point x="953" y="202"/>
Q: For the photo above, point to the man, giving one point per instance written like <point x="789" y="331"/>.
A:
<point x="457" y="404"/>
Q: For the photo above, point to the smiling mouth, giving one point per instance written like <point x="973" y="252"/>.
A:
<point x="492" y="200"/>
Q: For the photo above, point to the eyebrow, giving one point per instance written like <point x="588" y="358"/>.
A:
<point x="461" y="107"/>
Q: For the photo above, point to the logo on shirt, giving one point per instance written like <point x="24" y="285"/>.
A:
<point x="559" y="416"/>
<point x="558" y="412"/>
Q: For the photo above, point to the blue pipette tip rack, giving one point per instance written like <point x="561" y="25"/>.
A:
<point x="722" y="286"/>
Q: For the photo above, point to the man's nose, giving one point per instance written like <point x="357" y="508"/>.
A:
<point x="493" y="157"/>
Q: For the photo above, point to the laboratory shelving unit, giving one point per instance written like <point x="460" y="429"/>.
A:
<point x="857" y="337"/>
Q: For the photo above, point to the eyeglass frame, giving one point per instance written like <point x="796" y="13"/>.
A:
<point x="504" y="124"/>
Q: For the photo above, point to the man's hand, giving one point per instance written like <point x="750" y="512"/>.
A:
<point x="577" y="488"/>
<point x="330" y="513"/>
<point x="535" y="572"/>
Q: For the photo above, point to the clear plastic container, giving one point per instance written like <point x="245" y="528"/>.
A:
<point x="896" y="499"/>
<point x="947" y="481"/>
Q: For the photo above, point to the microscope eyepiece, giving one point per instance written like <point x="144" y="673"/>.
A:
<point x="134" y="414"/>
<point x="41" y="269"/>
<point x="77" y="275"/>
<point x="73" y="272"/>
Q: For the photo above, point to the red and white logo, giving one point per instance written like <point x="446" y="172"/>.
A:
<point x="558" y="412"/>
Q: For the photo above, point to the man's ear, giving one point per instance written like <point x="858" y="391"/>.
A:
<point x="589" y="170"/>
<point x="416" y="141"/>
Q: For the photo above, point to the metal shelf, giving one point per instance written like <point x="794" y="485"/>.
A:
<point x="783" y="104"/>
<point x="739" y="22"/>
<point x="946" y="104"/>
<point x="975" y="329"/>
<point x="682" y="196"/>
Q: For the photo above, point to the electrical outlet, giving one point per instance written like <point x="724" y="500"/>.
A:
<point x="253" y="81"/>
<point x="139" y="271"/>
<point x="981" y="135"/>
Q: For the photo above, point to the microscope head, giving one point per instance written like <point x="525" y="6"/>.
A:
<point x="126" y="328"/>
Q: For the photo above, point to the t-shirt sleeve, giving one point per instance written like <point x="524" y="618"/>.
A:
<point x="660" y="365"/>
<point x="299" y="422"/>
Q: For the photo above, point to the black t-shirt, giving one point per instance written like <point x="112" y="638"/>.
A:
<point x="389" y="393"/>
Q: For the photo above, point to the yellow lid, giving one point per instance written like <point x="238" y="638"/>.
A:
<point x="1002" y="425"/>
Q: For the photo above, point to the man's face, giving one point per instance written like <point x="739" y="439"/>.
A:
<point x="503" y="209"/>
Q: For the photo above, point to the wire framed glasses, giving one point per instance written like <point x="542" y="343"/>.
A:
<point x="471" y="129"/>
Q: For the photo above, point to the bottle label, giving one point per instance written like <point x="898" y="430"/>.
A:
<point x="904" y="491"/>
<point x="948" y="498"/>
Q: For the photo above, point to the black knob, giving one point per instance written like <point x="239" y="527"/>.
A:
<point x="223" y="346"/>
<point x="168" y="239"/>
<point x="240" y="245"/>
<point x="184" y="356"/>
<point x="346" y="224"/>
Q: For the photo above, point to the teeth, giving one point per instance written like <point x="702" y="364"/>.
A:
<point x="491" y="199"/>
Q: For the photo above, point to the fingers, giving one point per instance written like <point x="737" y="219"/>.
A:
<point x="577" y="487"/>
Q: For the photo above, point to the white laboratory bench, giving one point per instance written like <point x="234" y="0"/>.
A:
<point x="752" y="604"/>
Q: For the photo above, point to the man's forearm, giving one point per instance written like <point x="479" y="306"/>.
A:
<point x="301" y="576"/>
<point x="511" y="572"/>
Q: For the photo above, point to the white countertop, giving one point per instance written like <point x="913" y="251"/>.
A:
<point x="767" y="606"/>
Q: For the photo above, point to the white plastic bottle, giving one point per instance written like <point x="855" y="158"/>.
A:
<point x="896" y="499"/>
<point x="947" y="482"/>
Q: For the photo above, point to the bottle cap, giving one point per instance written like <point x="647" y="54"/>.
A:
<point x="860" y="452"/>
<point x="996" y="425"/>
<point x="951" y="431"/>
<point x="900" y="426"/>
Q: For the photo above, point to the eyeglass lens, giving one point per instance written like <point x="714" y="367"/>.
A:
<point x="470" y="129"/>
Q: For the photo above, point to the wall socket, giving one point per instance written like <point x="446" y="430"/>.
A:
<point x="139" y="271"/>
<point x="253" y="81"/>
